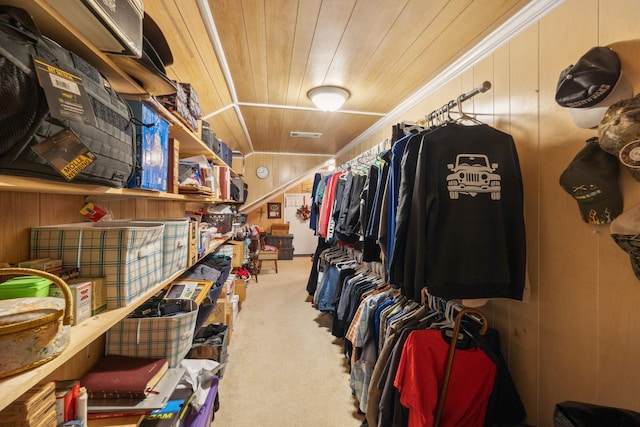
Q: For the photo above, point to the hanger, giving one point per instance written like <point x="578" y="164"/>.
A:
<point x="464" y="116"/>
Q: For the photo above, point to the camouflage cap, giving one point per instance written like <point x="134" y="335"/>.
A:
<point x="619" y="132"/>
<point x="625" y="231"/>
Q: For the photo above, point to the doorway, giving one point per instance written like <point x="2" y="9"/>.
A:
<point x="304" y="241"/>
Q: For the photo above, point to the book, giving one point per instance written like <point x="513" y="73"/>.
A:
<point x="117" y="414"/>
<point x="123" y="377"/>
<point x="174" y="411"/>
<point x="164" y="389"/>
<point x="66" y="393"/>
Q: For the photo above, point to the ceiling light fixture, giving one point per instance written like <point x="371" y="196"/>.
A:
<point x="328" y="98"/>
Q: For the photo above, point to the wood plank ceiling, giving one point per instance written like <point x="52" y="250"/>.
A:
<point x="252" y="89"/>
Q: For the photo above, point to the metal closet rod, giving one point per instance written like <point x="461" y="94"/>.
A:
<point x="483" y="87"/>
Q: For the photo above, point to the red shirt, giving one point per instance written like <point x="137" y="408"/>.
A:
<point x="420" y="375"/>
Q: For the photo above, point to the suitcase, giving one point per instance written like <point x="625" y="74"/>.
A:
<point x="26" y="121"/>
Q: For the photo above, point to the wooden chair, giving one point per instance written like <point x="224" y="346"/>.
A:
<point x="267" y="255"/>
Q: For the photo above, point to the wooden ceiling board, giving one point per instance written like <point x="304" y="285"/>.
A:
<point x="337" y="130"/>
<point x="296" y="92"/>
<point x="276" y="50"/>
<point x="415" y="67"/>
<point x="446" y="39"/>
<point x="331" y="24"/>
<point x="406" y="28"/>
<point x="270" y="128"/>
<point x="281" y="18"/>
<point x="231" y="23"/>
<point x="367" y="29"/>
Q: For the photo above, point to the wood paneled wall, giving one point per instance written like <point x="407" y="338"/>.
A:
<point x="21" y="211"/>
<point x="284" y="168"/>
<point x="575" y="339"/>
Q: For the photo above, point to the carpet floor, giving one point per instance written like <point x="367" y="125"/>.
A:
<point x="285" y="369"/>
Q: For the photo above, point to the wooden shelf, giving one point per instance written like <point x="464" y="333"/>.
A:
<point x="55" y="26"/>
<point x="82" y="335"/>
<point x="96" y="192"/>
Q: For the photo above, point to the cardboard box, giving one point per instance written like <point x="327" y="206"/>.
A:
<point x="237" y="254"/>
<point x="229" y="287"/>
<point x="173" y="176"/>
<point x="152" y="149"/>
<point x="194" y="238"/>
<point x="219" y="312"/>
<point x="241" y="289"/>
<point x="81" y="293"/>
<point x="279" y="229"/>
<point x="98" y="292"/>
<point x="235" y="308"/>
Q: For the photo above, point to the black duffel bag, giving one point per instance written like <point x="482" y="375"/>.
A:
<point x="26" y="120"/>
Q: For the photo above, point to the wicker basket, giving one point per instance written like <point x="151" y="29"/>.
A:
<point x="33" y="330"/>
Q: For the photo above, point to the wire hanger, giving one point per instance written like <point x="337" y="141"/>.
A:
<point x="464" y="116"/>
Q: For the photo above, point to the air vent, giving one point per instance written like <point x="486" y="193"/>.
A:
<point x="295" y="134"/>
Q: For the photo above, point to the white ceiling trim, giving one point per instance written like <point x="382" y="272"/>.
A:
<point x="271" y="153"/>
<point x="212" y="31"/>
<point x="529" y="15"/>
<point x="215" y="113"/>
<point x="293" y="107"/>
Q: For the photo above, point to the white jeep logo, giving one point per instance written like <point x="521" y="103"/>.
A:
<point x="473" y="174"/>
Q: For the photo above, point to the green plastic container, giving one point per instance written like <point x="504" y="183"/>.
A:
<point x="25" y="287"/>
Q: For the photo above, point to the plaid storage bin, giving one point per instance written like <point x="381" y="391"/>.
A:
<point x="168" y="337"/>
<point x="127" y="254"/>
<point x="175" y="246"/>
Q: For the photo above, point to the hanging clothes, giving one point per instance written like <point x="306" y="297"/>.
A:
<point x="408" y="164"/>
<point x="421" y="370"/>
<point x="313" y="217"/>
<point x="467" y="212"/>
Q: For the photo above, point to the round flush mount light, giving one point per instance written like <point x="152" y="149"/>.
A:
<point x="328" y="98"/>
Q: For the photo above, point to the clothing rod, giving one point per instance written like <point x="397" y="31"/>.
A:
<point x="483" y="87"/>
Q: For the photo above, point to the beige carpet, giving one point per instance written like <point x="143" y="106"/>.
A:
<point x="285" y="368"/>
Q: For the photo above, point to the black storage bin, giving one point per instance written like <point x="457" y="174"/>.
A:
<point x="286" y="250"/>
<point x="581" y="414"/>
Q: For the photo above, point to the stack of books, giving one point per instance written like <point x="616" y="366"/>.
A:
<point x="123" y="386"/>
<point x="36" y="407"/>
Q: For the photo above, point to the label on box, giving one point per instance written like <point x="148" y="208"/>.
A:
<point x="98" y="292"/>
<point x="81" y="293"/>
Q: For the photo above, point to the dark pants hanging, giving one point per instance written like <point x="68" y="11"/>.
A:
<point x="312" y="283"/>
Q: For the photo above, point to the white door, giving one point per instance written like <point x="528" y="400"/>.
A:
<point x="304" y="241"/>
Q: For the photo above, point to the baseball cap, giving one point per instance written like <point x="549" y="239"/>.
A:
<point x="619" y="133"/>
<point x="592" y="180"/>
<point x="625" y="231"/>
<point x="590" y="86"/>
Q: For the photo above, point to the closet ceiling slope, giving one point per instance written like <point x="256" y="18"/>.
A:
<point x="253" y="78"/>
